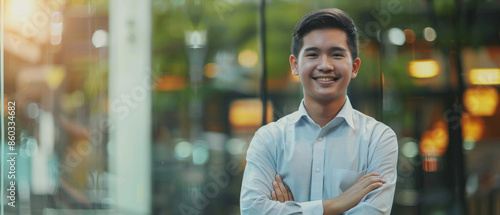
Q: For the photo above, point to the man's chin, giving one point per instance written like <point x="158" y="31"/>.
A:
<point x="327" y="98"/>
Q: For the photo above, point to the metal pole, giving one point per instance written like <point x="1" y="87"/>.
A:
<point x="456" y="156"/>
<point x="263" y="77"/>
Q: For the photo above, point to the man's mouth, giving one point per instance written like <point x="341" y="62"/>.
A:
<point x="327" y="79"/>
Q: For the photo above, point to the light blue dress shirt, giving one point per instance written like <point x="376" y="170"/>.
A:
<point x="319" y="163"/>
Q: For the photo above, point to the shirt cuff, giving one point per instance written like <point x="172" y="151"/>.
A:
<point x="365" y="208"/>
<point x="312" y="207"/>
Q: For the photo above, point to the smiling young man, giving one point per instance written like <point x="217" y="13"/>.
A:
<point x="325" y="158"/>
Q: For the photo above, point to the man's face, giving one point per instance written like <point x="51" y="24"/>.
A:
<point x="324" y="65"/>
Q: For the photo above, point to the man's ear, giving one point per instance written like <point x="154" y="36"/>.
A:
<point x="293" y="65"/>
<point x="355" y="67"/>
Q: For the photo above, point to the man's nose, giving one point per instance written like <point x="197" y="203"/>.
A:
<point x="326" y="64"/>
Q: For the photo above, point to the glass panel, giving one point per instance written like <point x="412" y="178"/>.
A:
<point x="205" y="103"/>
<point x="55" y="69"/>
<point x="440" y="95"/>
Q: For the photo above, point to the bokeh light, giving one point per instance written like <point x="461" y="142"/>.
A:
<point x="410" y="149"/>
<point x="211" y="70"/>
<point x="423" y="68"/>
<point x="472" y="127"/>
<point x="410" y="36"/>
<point x="100" y="38"/>
<point x="56" y="28"/>
<point x="246" y="114"/>
<point x="183" y="150"/>
<point x="33" y="110"/>
<point x="200" y="154"/>
<point x="248" y="58"/>
<point x="19" y="10"/>
<point x="481" y="101"/>
<point x="396" y="36"/>
<point x="430" y="34"/>
<point x="293" y="78"/>
<point x="55" y="76"/>
<point x="434" y="142"/>
<point x="484" y="76"/>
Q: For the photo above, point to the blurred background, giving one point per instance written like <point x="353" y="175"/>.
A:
<point x="148" y="106"/>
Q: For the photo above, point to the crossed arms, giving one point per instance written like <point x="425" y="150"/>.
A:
<point x="340" y="204"/>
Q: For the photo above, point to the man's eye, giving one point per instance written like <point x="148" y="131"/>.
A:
<point x="311" y="55"/>
<point x="337" y="55"/>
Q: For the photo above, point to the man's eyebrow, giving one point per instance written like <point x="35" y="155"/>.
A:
<point x="337" y="48"/>
<point x="311" y="49"/>
<point x="334" y="48"/>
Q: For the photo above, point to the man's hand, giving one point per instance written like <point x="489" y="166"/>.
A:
<point x="352" y="196"/>
<point x="281" y="191"/>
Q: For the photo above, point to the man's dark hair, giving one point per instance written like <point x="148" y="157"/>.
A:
<point x="324" y="19"/>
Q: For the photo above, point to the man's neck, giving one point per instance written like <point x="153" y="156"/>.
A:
<point x="322" y="112"/>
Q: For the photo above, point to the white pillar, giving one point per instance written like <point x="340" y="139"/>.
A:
<point x="130" y="105"/>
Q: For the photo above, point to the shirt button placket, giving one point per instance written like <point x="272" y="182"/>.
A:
<point x="317" y="177"/>
<point x="320" y="143"/>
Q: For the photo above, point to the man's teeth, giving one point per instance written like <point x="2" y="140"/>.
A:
<point x="324" y="79"/>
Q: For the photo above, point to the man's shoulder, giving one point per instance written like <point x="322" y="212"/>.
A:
<point x="377" y="132"/>
<point x="367" y="122"/>
<point x="280" y="125"/>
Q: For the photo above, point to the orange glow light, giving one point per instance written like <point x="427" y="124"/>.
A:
<point x="481" y="101"/>
<point x="294" y="78"/>
<point x="409" y="35"/>
<point x="170" y="82"/>
<point x="472" y="127"/>
<point x="211" y="70"/>
<point x="434" y="142"/>
<point x="246" y="114"/>
<point x="430" y="164"/>
<point x="55" y="76"/>
<point x="423" y="68"/>
<point x="248" y="58"/>
<point x="489" y="76"/>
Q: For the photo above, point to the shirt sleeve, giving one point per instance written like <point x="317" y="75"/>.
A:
<point x="259" y="173"/>
<point x="383" y="161"/>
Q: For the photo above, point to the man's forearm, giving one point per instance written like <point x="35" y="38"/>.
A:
<point x="352" y="196"/>
<point x="331" y="208"/>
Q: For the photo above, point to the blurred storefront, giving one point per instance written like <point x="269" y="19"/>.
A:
<point x="148" y="106"/>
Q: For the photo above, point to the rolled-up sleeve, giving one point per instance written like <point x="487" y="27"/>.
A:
<point x="259" y="173"/>
<point x="383" y="161"/>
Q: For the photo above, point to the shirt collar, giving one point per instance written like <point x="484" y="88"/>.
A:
<point x="346" y="113"/>
<point x="300" y="113"/>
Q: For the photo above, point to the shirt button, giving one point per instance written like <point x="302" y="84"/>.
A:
<point x="317" y="169"/>
<point x="320" y="139"/>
